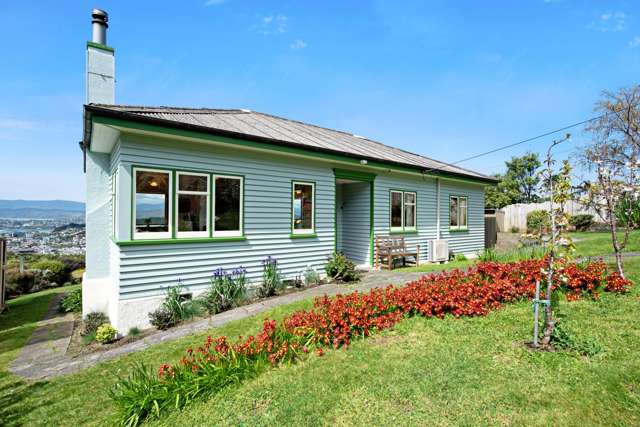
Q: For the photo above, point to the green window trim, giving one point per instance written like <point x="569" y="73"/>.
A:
<point x="184" y="240"/>
<point x="303" y="236"/>
<point x="312" y="230"/>
<point x="173" y="192"/>
<point x="403" y="229"/>
<point x="458" y="227"/>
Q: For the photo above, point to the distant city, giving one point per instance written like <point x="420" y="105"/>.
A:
<point x="28" y="229"/>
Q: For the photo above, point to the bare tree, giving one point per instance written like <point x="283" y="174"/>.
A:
<point x="613" y="158"/>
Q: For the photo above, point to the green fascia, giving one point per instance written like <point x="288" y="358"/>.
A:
<point x="147" y="242"/>
<point x="167" y="130"/>
<point x="403" y="232"/>
<point x="101" y="46"/>
<point x="303" y="236"/>
<point x="354" y="175"/>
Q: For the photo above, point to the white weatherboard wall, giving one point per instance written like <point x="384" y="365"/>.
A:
<point x="353" y="221"/>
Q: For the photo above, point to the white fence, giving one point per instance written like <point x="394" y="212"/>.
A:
<point x="515" y="216"/>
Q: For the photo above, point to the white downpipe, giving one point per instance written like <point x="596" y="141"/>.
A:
<point x="438" y="232"/>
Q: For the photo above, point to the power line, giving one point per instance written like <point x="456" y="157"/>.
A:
<point x="524" y="141"/>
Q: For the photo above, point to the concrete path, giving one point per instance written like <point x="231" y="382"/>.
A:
<point x="44" y="356"/>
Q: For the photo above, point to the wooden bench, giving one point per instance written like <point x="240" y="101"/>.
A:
<point x="389" y="248"/>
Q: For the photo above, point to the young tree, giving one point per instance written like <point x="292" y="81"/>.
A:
<point x="613" y="157"/>
<point x="518" y="185"/>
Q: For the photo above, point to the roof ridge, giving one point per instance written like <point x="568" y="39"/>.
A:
<point x="175" y="110"/>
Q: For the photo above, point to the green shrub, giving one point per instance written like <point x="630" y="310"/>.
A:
<point x="340" y="268"/>
<point x="72" y="302"/>
<point x="311" y="276"/>
<point x="92" y="321"/>
<point x="487" y="255"/>
<point x="176" y="307"/>
<point x="515" y="229"/>
<point x="134" y="332"/>
<point x="271" y="280"/>
<point x="460" y="257"/>
<point x="106" y="333"/>
<point x="162" y="319"/>
<point x="54" y="271"/>
<point x="538" y="221"/>
<point x="226" y="290"/>
<point x="582" y="222"/>
<point x="20" y="283"/>
<point x="563" y="338"/>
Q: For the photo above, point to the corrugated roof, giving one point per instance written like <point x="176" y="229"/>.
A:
<point x="252" y="124"/>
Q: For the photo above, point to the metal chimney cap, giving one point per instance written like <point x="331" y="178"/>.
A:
<point x="100" y="17"/>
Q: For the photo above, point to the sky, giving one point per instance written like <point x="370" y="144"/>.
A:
<point x="446" y="79"/>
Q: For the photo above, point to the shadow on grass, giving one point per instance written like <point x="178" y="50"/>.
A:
<point x="15" y="396"/>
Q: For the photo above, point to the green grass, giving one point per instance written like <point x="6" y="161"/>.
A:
<point x="462" y="265"/>
<point x="448" y="371"/>
<point x="599" y="243"/>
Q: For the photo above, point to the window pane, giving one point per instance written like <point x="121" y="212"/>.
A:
<point x="227" y="204"/>
<point x="396" y="209"/>
<point x="453" y="212"/>
<point x="152" y="202"/>
<point x="409" y="197"/>
<point x="303" y="207"/>
<point x="192" y="212"/>
<point x="409" y="215"/>
<point x="463" y="212"/>
<point x="192" y="183"/>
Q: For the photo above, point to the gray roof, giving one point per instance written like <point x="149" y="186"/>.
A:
<point x="269" y="128"/>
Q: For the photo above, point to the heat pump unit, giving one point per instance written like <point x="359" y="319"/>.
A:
<point x="438" y="250"/>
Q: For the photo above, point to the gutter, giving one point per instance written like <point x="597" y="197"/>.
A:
<point x="91" y="110"/>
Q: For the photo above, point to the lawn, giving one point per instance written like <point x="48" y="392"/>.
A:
<point x="594" y="244"/>
<point x="424" y="371"/>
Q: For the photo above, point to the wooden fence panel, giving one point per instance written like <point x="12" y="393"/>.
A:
<point x="490" y="231"/>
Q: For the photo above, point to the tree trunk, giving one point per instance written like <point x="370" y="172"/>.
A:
<point x="616" y="247"/>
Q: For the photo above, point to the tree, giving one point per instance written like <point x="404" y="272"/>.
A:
<point x="614" y="157"/>
<point x="518" y="185"/>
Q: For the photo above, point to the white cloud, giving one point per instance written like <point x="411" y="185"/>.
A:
<point x="16" y="124"/>
<point x="272" y="24"/>
<point x="635" y="42"/>
<point x="298" y="45"/>
<point x="213" y="2"/>
<point x="610" y="22"/>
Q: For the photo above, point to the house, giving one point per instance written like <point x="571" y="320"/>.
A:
<point x="174" y="193"/>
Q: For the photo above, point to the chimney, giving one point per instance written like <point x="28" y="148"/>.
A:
<point x="101" y="83"/>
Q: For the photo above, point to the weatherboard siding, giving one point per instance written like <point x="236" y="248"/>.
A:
<point x="147" y="270"/>
<point x="470" y="241"/>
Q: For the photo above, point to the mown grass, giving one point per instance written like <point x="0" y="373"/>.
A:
<point x="425" y="371"/>
<point x="599" y="243"/>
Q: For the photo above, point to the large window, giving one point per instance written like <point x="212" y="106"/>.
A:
<point x="193" y="202"/>
<point x="458" y="212"/>
<point x="403" y="211"/>
<point x="152" y="210"/>
<point x="303" y="207"/>
<point x="227" y="205"/>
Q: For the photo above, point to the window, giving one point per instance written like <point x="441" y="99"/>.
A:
<point x="152" y="211"/>
<point x="403" y="210"/>
<point x="303" y="207"/>
<point x="193" y="201"/>
<point x="227" y="202"/>
<point x="458" y="212"/>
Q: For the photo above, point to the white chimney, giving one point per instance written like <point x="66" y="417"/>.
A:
<point x="101" y="83"/>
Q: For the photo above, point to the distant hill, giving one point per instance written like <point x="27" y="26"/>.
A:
<point x="39" y="209"/>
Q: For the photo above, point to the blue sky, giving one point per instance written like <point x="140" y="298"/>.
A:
<point x="445" y="79"/>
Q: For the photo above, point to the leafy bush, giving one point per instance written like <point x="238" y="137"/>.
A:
<point x="628" y="212"/>
<point x="54" y="271"/>
<point x="162" y="319"/>
<point x="538" y="221"/>
<point x="20" y="283"/>
<point x="311" y="276"/>
<point x="489" y="254"/>
<point x="226" y="290"/>
<point x="106" y="333"/>
<point x="460" y="257"/>
<point x="582" y="222"/>
<point x="134" y="332"/>
<point x="564" y="339"/>
<point x="92" y="321"/>
<point x="72" y="302"/>
<point x="271" y="280"/>
<point x="333" y="321"/>
<point x="514" y="229"/>
<point x="340" y="268"/>
<point x="176" y="307"/>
